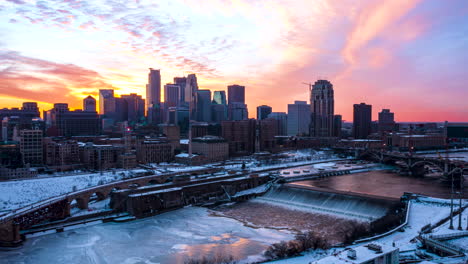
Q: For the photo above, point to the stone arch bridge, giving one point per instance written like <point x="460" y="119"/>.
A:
<point x="57" y="208"/>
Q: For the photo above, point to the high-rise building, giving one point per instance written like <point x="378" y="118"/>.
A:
<point x="237" y="111"/>
<point x="386" y="120"/>
<point x="31" y="147"/>
<point x="322" y="109"/>
<point x="203" y="106"/>
<point x="89" y="104"/>
<point x="219" y="113"/>
<point x="337" y="123"/>
<point x="219" y="97"/>
<point x="263" y="111"/>
<point x="282" y="122"/>
<point x="236" y="94"/>
<point x="191" y="88"/>
<point x="171" y="95"/>
<point x="153" y="88"/>
<point x="267" y="130"/>
<point x="106" y="102"/>
<point x="181" y="82"/>
<point x="298" y="118"/>
<point x="153" y="96"/>
<point x="179" y="116"/>
<point x="61" y="121"/>
<point x="362" y="120"/>
<point x="135" y="106"/>
<point x="219" y="109"/>
<point x="240" y="136"/>
<point x="28" y="112"/>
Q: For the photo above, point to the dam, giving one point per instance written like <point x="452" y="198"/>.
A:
<point x="339" y="204"/>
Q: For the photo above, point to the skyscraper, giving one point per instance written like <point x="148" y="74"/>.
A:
<point x="282" y="119"/>
<point x="263" y="111"/>
<point x="219" y="97"/>
<point x="237" y="111"/>
<point x="236" y="94"/>
<point x="171" y="95"/>
<point x="338" y="120"/>
<point x="322" y="108"/>
<point x="153" y="96"/>
<point x="153" y="88"/>
<point x="203" y="106"/>
<point x="362" y="120"/>
<point x="181" y="82"/>
<point x="191" y="88"/>
<point x="298" y="118"/>
<point x="219" y="110"/>
<point x="89" y="104"/>
<point x="386" y="120"/>
<point x="135" y="106"/>
<point x="106" y="102"/>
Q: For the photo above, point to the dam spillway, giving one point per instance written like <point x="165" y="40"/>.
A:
<point x="339" y="204"/>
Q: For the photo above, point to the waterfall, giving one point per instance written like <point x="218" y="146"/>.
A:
<point x="347" y="206"/>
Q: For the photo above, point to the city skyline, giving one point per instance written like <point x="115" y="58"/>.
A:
<point x="399" y="57"/>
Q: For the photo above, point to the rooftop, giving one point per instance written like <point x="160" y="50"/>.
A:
<point x="363" y="254"/>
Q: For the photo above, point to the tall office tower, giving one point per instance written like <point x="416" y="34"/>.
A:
<point x="31" y="147"/>
<point x="89" y="104"/>
<point x="263" y="111"/>
<point x="298" y="118"/>
<point x="181" y="82"/>
<point x="238" y="111"/>
<point x="322" y="109"/>
<point x="362" y="120"/>
<point x="153" y="96"/>
<point x="219" y="113"/>
<point x="171" y="95"/>
<point x="282" y="119"/>
<point x="219" y="110"/>
<point x="236" y="94"/>
<point x="386" y="120"/>
<point x="219" y="97"/>
<point x="153" y="88"/>
<point x="135" y="106"/>
<point x="191" y="88"/>
<point x="203" y="106"/>
<point x="106" y="102"/>
<point x="337" y="123"/>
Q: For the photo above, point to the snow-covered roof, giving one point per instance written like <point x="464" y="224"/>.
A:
<point x="185" y="155"/>
<point x="363" y="254"/>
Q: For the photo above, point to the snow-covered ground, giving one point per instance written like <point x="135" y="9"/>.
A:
<point x="20" y="193"/>
<point x="167" y="238"/>
<point x="16" y="194"/>
<point x="423" y="211"/>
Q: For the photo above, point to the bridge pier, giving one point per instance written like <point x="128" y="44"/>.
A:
<point x="10" y="234"/>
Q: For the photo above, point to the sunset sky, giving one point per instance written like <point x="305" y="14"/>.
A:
<point x="407" y="55"/>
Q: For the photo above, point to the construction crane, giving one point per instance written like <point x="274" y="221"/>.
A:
<point x="309" y="84"/>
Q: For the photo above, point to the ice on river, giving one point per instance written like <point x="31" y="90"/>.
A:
<point x="167" y="238"/>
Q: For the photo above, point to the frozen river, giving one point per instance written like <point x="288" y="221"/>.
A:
<point x="172" y="237"/>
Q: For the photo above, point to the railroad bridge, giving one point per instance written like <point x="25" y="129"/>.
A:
<point x="415" y="165"/>
<point x="57" y="208"/>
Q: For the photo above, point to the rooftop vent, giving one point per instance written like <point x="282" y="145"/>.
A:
<point x="352" y="254"/>
<point x="375" y="247"/>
